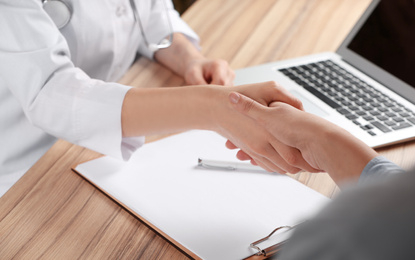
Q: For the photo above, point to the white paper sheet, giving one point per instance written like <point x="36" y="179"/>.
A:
<point x="215" y="214"/>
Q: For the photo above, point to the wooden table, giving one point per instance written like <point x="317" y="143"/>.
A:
<point x="52" y="213"/>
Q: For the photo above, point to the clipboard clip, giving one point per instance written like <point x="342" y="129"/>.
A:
<point x="272" y="249"/>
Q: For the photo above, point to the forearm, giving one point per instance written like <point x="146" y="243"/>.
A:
<point x="179" y="55"/>
<point x="167" y="110"/>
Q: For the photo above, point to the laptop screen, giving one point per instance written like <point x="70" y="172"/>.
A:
<point x="387" y="38"/>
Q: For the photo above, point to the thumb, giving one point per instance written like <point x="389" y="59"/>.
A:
<point x="247" y="106"/>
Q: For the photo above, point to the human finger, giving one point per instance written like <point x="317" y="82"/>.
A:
<point x="222" y="75"/>
<point x="275" y="158"/>
<point x="266" y="164"/>
<point x="194" y="76"/>
<point x="241" y="155"/>
<point x="247" y="106"/>
<point x="271" y="155"/>
<point x="293" y="157"/>
<point x="256" y="156"/>
<point x="287" y="97"/>
<point x="267" y="92"/>
<point x="230" y="145"/>
<point x="217" y="72"/>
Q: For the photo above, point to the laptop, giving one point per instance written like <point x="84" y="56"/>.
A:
<point x="367" y="86"/>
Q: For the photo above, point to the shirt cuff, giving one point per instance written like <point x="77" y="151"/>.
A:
<point x="129" y="145"/>
<point x="379" y="168"/>
<point x="99" y="115"/>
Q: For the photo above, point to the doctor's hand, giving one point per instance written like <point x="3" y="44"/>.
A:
<point x="254" y="140"/>
<point x="323" y="145"/>
<point x="209" y="71"/>
<point x="183" y="58"/>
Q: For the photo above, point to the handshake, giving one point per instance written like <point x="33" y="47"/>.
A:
<point x="271" y="129"/>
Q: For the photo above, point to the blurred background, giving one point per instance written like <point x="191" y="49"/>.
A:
<point x="182" y="5"/>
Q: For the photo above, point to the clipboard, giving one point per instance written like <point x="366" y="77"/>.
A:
<point x="208" y="214"/>
<point x="270" y="251"/>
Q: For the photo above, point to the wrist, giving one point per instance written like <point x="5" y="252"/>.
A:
<point x="345" y="156"/>
<point x="218" y="110"/>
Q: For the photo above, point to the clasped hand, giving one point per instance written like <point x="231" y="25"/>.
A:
<point x="256" y="143"/>
<point x="303" y="140"/>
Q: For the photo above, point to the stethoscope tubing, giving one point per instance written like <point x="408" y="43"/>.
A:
<point x="61" y="14"/>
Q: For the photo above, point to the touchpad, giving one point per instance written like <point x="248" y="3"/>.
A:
<point x="309" y="106"/>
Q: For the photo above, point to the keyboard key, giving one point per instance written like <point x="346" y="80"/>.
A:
<point x="371" y="133"/>
<point x="366" y="127"/>
<point x="361" y="113"/>
<point x="361" y="95"/>
<point x="382" y="118"/>
<point x="401" y="126"/>
<point x="374" y="113"/>
<point x="380" y="126"/>
<point x="346" y="103"/>
<point x="412" y="120"/>
<point x="374" y="95"/>
<point x="351" y="117"/>
<point x="398" y="119"/>
<point x="390" y="114"/>
<point x="323" y="97"/>
<point x="343" y="111"/>
<point x="332" y="94"/>
<point x="368" y="118"/>
<point x="404" y="114"/>
<point x="367" y="108"/>
<point x="390" y="123"/>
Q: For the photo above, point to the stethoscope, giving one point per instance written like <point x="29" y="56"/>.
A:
<point x="61" y="14"/>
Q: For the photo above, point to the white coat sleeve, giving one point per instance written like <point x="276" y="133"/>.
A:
<point x="156" y="28"/>
<point x="56" y="96"/>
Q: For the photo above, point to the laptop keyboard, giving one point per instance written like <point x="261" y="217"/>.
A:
<point x="359" y="102"/>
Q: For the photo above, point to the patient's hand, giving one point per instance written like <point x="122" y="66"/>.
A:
<point x="253" y="139"/>
<point x="322" y="144"/>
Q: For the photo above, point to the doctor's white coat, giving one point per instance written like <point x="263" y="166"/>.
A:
<point x="60" y="83"/>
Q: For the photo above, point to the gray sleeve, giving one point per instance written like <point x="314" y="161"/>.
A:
<point x="374" y="221"/>
<point x="379" y="168"/>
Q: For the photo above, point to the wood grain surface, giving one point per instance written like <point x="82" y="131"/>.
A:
<point x="52" y="213"/>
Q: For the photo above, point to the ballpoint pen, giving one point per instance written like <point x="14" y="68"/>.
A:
<point x="230" y="166"/>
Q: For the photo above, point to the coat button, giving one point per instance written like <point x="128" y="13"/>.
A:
<point x="120" y="11"/>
